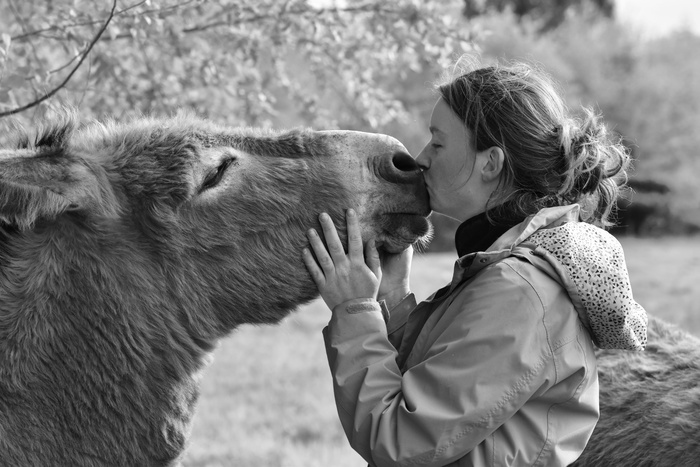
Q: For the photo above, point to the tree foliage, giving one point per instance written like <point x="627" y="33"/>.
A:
<point x="244" y="62"/>
<point x="548" y="13"/>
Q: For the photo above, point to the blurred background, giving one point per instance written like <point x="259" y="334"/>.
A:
<point x="369" y="65"/>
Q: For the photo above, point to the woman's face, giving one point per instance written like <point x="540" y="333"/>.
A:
<point x="449" y="162"/>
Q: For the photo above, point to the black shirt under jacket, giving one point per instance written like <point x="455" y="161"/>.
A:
<point x="478" y="233"/>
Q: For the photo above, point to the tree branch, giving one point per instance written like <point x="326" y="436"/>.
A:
<point x="85" y="53"/>
<point x="26" y="35"/>
<point x="37" y="32"/>
<point x="374" y="7"/>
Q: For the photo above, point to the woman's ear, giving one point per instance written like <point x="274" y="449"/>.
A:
<point x="491" y="170"/>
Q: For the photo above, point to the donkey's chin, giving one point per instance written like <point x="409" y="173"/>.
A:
<point x="401" y="230"/>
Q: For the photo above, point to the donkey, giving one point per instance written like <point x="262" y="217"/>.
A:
<point x="127" y="250"/>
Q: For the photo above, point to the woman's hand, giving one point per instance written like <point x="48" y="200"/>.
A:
<point x="395" y="276"/>
<point x="339" y="276"/>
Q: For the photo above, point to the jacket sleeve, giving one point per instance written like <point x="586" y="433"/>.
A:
<point x="488" y="358"/>
<point x="397" y="317"/>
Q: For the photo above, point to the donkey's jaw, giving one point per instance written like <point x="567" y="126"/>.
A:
<point x="401" y="230"/>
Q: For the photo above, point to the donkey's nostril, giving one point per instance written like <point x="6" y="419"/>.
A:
<point x="404" y="162"/>
<point x="398" y="167"/>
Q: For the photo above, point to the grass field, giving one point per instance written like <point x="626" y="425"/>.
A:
<point x="267" y="400"/>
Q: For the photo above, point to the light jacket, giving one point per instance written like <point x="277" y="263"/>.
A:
<point x="498" y="367"/>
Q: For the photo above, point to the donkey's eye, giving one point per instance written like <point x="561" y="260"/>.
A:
<point x="214" y="176"/>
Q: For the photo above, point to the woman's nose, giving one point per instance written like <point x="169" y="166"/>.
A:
<point x="422" y="160"/>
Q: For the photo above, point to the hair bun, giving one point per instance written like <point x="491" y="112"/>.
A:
<point x="594" y="159"/>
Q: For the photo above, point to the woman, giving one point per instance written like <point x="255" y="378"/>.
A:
<point x="498" y="367"/>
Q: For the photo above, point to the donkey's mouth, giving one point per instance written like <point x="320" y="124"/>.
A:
<point x="402" y="229"/>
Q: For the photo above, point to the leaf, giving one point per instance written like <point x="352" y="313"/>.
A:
<point x="113" y="32"/>
<point x="14" y="81"/>
<point x="6" y="40"/>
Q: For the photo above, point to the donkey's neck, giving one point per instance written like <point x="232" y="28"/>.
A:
<point x="106" y="337"/>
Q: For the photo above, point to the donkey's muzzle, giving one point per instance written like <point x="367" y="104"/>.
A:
<point x="399" y="167"/>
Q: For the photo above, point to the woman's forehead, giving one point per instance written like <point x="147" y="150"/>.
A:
<point x="444" y="121"/>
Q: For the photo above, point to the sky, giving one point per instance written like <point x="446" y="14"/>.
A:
<point x="659" y="17"/>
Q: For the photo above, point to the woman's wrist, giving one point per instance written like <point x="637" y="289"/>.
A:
<point x="393" y="297"/>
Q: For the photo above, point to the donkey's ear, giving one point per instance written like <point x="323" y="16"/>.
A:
<point x="42" y="183"/>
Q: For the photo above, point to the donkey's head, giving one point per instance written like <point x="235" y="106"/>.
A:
<point x="222" y="212"/>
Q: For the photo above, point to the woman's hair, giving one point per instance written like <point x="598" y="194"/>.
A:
<point x="551" y="157"/>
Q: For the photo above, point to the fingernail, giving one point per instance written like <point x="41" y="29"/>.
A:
<point x="312" y="232"/>
<point x="324" y="216"/>
<point x="351" y="212"/>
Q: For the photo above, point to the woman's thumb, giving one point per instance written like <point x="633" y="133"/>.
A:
<point x="372" y="257"/>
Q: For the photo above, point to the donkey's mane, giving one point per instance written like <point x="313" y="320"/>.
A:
<point x="52" y="135"/>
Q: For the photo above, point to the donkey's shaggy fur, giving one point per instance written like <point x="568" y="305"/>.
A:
<point x="127" y="250"/>
<point x="649" y="404"/>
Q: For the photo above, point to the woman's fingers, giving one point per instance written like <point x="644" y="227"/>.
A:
<point x="314" y="270"/>
<point x="340" y="277"/>
<point x="335" y="247"/>
<point x="354" y="236"/>
<point x="322" y="255"/>
<point x="334" y="256"/>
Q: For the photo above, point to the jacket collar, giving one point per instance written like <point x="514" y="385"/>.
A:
<point x="545" y="218"/>
<point x="479" y="232"/>
<point x="503" y="246"/>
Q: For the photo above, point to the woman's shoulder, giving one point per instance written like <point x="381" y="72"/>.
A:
<point x="519" y="272"/>
<point x="509" y="285"/>
<point x="512" y="296"/>
<point x="516" y="291"/>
